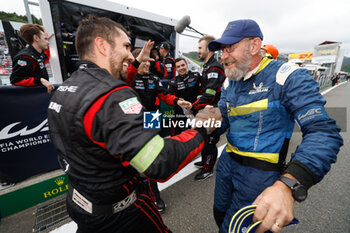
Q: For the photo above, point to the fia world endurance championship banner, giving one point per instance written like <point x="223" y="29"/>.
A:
<point x="25" y="148"/>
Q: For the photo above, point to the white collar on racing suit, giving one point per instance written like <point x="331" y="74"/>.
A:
<point x="250" y="73"/>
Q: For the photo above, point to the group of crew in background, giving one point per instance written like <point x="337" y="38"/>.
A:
<point x="189" y="87"/>
<point x="162" y="78"/>
<point x="157" y="80"/>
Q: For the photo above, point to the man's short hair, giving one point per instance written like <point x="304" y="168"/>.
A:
<point x="207" y="38"/>
<point x="136" y="52"/>
<point x="91" y="27"/>
<point x="27" y="32"/>
<point x="180" y="59"/>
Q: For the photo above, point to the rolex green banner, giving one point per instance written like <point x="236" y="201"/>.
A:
<point x="24" y="198"/>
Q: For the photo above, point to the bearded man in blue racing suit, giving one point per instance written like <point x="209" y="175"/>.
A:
<point x="259" y="102"/>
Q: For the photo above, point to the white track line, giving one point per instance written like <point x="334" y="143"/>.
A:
<point x="186" y="171"/>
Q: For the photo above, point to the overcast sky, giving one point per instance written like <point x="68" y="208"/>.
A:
<point x="292" y="26"/>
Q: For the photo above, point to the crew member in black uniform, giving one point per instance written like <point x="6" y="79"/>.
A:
<point x="96" y="125"/>
<point x="166" y="63"/>
<point x="150" y="90"/>
<point x="154" y="55"/>
<point x="213" y="76"/>
<point x="29" y="64"/>
<point x="185" y="85"/>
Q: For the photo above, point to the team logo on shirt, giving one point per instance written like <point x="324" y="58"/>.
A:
<point x="258" y="89"/>
<point x="151" y="120"/>
<point x="21" y="63"/>
<point x="131" y="106"/>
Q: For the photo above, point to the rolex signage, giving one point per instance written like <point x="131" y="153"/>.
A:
<point x="27" y="197"/>
<point x="61" y="188"/>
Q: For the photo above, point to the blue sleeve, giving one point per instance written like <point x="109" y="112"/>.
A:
<point x="321" y="139"/>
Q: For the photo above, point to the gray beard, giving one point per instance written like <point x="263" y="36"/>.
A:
<point x="241" y="68"/>
<point x="235" y="74"/>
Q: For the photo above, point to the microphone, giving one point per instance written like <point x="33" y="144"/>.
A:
<point x="182" y="24"/>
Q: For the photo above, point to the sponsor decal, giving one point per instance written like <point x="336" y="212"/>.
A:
<point x="258" y="89"/>
<point x="285" y="69"/>
<point x="21" y="63"/>
<point x="308" y="114"/>
<point x="213" y="75"/>
<point x="67" y="88"/>
<point x="131" y="106"/>
<point x="55" y="106"/>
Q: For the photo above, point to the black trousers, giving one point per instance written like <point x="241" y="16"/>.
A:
<point x="141" y="217"/>
<point x="210" y="153"/>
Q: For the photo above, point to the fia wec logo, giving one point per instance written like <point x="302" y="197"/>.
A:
<point x="6" y="133"/>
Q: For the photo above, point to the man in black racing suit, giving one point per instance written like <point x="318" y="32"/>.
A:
<point x="29" y="64"/>
<point x="186" y="85"/>
<point x="213" y="76"/>
<point x="96" y="125"/>
<point x="150" y="90"/>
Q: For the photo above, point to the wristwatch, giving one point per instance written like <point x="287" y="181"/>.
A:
<point x="298" y="190"/>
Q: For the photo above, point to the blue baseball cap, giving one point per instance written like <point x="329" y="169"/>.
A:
<point x="235" y="32"/>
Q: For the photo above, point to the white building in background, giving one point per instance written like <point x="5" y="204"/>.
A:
<point x="329" y="54"/>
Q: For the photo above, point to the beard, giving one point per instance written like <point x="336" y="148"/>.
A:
<point x="203" y="56"/>
<point x="116" y="67"/>
<point x="241" y="67"/>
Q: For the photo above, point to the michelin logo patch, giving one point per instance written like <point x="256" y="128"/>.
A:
<point x="131" y="106"/>
<point x="258" y="89"/>
<point x="309" y="114"/>
<point x="151" y="120"/>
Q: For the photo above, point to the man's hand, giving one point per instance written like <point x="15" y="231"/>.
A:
<point x="184" y="104"/>
<point x="209" y="112"/>
<point x="144" y="55"/>
<point x="47" y="84"/>
<point x="275" y="206"/>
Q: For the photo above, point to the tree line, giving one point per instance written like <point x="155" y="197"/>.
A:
<point x="18" y="18"/>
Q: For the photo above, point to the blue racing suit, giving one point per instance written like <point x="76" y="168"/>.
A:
<point x="259" y="112"/>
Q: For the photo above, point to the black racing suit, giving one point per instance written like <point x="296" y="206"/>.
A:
<point x="96" y="125"/>
<point x="150" y="90"/>
<point x="188" y="88"/>
<point x="29" y="68"/>
<point x="166" y="67"/>
<point x="213" y="76"/>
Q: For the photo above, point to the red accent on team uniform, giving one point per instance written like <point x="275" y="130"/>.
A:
<point x="217" y="68"/>
<point x="200" y="106"/>
<point x="90" y="115"/>
<point x="33" y="62"/>
<point x="158" y="67"/>
<point x="28" y="82"/>
<point x="126" y="163"/>
<point x="131" y="74"/>
<point x="168" y="98"/>
<point x="185" y="137"/>
<point x="154" y="211"/>
<point x="47" y="53"/>
<point x="148" y="216"/>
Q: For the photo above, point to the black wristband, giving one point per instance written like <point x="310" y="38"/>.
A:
<point x="136" y="63"/>
<point x="203" y="132"/>
<point x="302" y="173"/>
